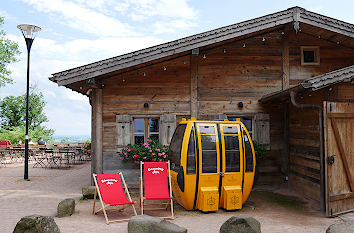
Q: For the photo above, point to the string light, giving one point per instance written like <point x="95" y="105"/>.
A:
<point x="282" y="33"/>
<point x="263" y="39"/>
<point x="144" y="74"/>
<point x="80" y="88"/>
<point x="123" y="80"/>
<point x="204" y="56"/>
<point x="224" y="50"/>
<point x="337" y="42"/>
<point x="244" y="45"/>
<point x="184" y="62"/>
<point x="164" y="68"/>
<point x="319" y="36"/>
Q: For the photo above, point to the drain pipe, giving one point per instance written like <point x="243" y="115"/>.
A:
<point x="322" y="165"/>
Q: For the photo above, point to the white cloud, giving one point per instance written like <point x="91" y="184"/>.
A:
<point x="82" y="18"/>
<point x="172" y="26"/>
<point x="143" y="9"/>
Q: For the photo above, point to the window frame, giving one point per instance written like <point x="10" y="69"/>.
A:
<point x="315" y="49"/>
<point x="253" y="121"/>
<point x="146" y="127"/>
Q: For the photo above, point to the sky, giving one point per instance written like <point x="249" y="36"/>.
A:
<point x="78" y="32"/>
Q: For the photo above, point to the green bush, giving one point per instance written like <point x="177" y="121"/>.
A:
<point x="150" y="151"/>
<point x="17" y="134"/>
<point x="259" y="150"/>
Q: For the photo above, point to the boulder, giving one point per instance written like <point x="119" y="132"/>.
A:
<point x="36" y="224"/>
<point x="168" y="227"/>
<point x="149" y="224"/>
<point x="241" y="224"/>
<point x="66" y="207"/>
<point x="343" y="227"/>
<point x="88" y="192"/>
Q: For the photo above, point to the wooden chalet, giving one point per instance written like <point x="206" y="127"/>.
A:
<point x="287" y="75"/>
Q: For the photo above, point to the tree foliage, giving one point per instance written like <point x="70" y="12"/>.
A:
<point x="13" y="110"/>
<point x="8" y="52"/>
<point x="13" y="117"/>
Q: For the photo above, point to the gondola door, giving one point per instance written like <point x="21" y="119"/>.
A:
<point x="232" y="167"/>
<point x="208" y="167"/>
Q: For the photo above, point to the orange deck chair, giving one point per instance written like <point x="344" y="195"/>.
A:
<point x="155" y="184"/>
<point x="111" y="193"/>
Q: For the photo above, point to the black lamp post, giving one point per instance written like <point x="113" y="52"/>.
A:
<point x="29" y="32"/>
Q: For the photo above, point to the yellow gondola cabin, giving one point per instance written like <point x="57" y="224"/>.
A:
<point x="212" y="164"/>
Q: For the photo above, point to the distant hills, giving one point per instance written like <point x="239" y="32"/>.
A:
<point x="71" y="138"/>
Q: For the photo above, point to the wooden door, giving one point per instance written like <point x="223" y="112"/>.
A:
<point x="339" y="153"/>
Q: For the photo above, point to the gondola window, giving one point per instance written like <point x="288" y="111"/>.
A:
<point x="209" y="153"/>
<point x="191" y="154"/>
<point x="232" y="154"/>
<point x="248" y="153"/>
<point x="176" y="147"/>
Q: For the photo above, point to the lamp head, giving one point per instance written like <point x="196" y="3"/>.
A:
<point x="29" y="31"/>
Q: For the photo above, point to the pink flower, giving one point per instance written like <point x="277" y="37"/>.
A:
<point x="150" y="151"/>
<point x="144" y="157"/>
<point x="165" y="156"/>
<point x="157" y="149"/>
<point x="129" y="150"/>
<point x="153" y="159"/>
<point x="121" y="158"/>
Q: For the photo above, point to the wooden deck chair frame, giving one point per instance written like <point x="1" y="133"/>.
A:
<point x="104" y="206"/>
<point x="142" y="198"/>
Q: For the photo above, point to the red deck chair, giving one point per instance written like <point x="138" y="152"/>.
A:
<point x="111" y="193"/>
<point x="155" y="184"/>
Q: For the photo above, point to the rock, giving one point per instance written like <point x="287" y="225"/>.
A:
<point x="36" y="224"/>
<point x="343" y="227"/>
<point x="142" y="224"/>
<point x="66" y="207"/>
<point x="149" y="224"/>
<point x="241" y="224"/>
<point x="168" y="227"/>
<point x="88" y="192"/>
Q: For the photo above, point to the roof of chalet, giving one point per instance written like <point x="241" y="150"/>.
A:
<point x="345" y="74"/>
<point x="295" y="14"/>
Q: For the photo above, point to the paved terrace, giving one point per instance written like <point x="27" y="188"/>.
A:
<point x="48" y="187"/>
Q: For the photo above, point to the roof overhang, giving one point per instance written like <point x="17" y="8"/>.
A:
<point x="345" y="74"/>
<point x="295" y="15"/>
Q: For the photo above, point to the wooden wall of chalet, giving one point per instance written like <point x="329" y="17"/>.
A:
<point x="166" y="91"/>
<point x="228" y="74"/>
<point x="304" y="143"/>
<point x="304" y="148"/>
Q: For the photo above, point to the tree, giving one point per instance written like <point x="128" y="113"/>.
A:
<point x="13" y="117"/>
<point x="8" y="52"/>
<point x="13" y="110"/>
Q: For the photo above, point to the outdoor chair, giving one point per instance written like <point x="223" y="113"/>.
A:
<point x="111" y="194"/>
<point x="155" y="184"/>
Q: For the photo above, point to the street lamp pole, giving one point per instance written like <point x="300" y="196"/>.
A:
<point x="29" y="32"/>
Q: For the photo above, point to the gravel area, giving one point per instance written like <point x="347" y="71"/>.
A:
<point x="278" y="212"/>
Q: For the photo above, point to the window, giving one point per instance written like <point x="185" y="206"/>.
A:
<point x="247" y="121"/>
<point x="232" y="149"/>
<point x="145" y="128"/>
<point x="174" y="151"/>
<point x="209" y="153"/>
<point x="248" y="153"/>
<point x="310" y="55"/>
<point x="191" y="154"/>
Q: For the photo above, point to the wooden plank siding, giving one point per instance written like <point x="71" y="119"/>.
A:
<point x="225" y="75"/>
<point x="304" y="148"/>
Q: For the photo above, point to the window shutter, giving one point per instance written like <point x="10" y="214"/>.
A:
<point x="123" y="130"/>
<point x="262" y="128"/>
<point x="167" y="128"/>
